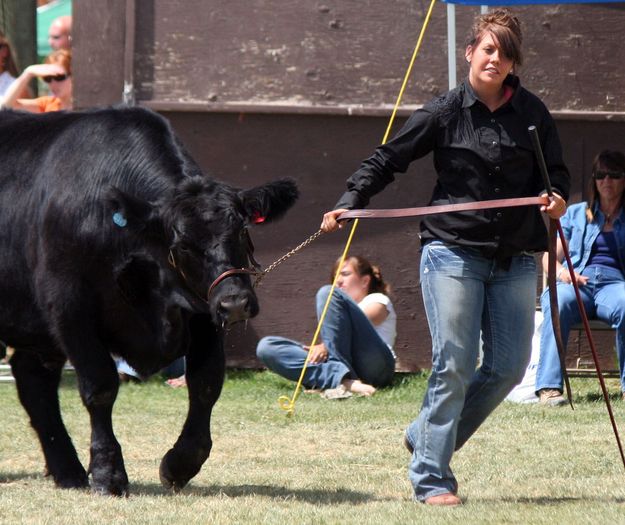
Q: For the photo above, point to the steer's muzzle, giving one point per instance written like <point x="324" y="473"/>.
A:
<point x="235" y="308"/>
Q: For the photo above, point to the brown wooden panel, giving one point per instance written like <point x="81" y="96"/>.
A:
<point x="299" y="57"/>
<point x="357" y="51"/>
<point x="320" y="152"/>
<point x="98" y="31"/>
<point x="579" y="354"/>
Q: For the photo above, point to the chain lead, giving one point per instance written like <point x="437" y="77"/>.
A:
<point x="273" y="265"/>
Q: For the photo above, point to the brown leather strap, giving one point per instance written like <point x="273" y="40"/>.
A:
<point x="228" y="273"/>
<point x="444" y="208"/>
<point x="553" y="302"/>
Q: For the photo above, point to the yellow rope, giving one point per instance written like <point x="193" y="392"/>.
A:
<point x="286" y="403"/>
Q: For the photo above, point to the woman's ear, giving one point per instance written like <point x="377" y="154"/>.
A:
<point x="468" y="53"/>
<point x="366" y="281"/>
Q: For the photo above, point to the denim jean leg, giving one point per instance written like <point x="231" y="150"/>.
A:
<point x="507" y="329"/>
<point x="549" y="372"/>
<point x="287" y="357"/>
<point x="610" y="304"/>
<point x="351" y="339"/>
<point x="453" y="290"/>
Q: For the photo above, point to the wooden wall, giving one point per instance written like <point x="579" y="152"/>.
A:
<point x="265" y="89"/>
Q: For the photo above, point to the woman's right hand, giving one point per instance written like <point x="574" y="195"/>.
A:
<point x="44" y="70"/>
<point x="329" y="222"/>
<point x="317" y="353"/>
<point x="565" y="277"/>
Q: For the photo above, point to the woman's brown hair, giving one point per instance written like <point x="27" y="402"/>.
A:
<point x="364" y="267"/>
<point x="506" y="29"/>
<point x="9" y="64"/>
<point x="608" y="160"/>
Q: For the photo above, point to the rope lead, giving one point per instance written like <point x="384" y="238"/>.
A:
<point x="284" y="402"/>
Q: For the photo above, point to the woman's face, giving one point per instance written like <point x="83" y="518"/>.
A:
<point x="488" y="65"/>
<point x="354" y="285"/>
<point x="610" y="188"/>
<point x="61" y="88"/>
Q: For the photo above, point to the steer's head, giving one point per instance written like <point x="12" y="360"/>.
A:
<point x="202" y="231"/>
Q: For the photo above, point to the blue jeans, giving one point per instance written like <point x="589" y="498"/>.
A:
<point x="355" y="350"/>
<point x="463" y="293"/>
<point x="604" y="298"/>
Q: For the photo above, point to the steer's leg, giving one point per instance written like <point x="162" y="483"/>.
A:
<point x="37" y="387"/>
<point x="99" y="383"/>
<point x="205" y="377"/>
<point x="72" y="324"/>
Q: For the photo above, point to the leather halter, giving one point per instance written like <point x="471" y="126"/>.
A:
<point x="254" y="270"/>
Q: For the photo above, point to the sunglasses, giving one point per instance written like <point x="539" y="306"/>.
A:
<point x="614" y="175"/>
<point x="56" y="78"/>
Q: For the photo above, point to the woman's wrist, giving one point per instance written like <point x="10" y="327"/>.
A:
<point x="559" y="273"/>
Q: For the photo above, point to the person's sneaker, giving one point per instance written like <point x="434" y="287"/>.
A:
<point x="551" y="397"/>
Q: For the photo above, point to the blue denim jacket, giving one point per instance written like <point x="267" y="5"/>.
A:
<point x="580" y="234"/>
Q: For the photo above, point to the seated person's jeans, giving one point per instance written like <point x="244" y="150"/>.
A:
<point x="355" y="350"/>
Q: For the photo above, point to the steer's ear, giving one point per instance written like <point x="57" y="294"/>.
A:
<point x="133" y="213"/>
<point x="270" y="201"/>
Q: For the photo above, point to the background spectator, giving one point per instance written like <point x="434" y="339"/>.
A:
<point x="60" y="33"/>
<point x="57" y="73"/>
<point x="595" y="235"/>
<point x="355" y="353"/>
<point x="8" y="69"/>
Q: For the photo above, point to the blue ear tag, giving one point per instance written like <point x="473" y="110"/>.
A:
<point x="119" y="219"/>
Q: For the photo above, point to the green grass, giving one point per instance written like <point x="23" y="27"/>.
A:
<point x="333" y="462"/>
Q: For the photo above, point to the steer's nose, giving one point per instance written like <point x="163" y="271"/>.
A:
<point x="233" y="308"/>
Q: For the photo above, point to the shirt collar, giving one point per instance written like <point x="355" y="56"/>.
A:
<point x="470" y="97"/>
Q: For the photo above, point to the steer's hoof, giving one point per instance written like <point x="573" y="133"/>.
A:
<point x="169" y="473"/>
<point x="110" y="484"/>
<point x="67" y="482"/>
<point x="110" y="490"/>
<point x="69" y="478"/>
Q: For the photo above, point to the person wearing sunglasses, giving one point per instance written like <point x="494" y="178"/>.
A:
<point x="56" y="71"/>
<point x="595" y="235"/>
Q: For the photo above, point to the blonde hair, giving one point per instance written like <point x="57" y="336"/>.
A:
<point x="506" y="29"/>
<point x="364" y="267"/>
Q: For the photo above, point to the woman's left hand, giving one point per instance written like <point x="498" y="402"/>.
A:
<point x="556" y="207"/>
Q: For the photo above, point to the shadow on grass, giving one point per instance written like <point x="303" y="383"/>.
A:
<point x="11" y="477"/>
<point x="546" y="501"/>
<point x="318" y="496"/>
<point x="593" y="397"/>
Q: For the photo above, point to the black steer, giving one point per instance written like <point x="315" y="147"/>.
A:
<point x="110" y="238"/>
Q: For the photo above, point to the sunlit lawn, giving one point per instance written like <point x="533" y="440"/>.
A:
<point x="337" y="461"/>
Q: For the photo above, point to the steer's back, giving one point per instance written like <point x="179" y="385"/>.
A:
<point x="56" y="172"/>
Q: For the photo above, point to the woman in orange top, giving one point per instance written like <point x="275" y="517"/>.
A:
<point x="56" y="71"/>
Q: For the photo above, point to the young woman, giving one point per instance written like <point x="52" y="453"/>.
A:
<point x="57" y="73"/>
<point x="356" y="340"/>
<point x="595" y="236"/>
<point x="478" y="274"/>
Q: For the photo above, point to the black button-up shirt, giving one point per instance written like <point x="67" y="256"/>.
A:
<point x="478" y="155"/>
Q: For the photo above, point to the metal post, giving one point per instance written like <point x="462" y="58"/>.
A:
<point x="451" y="45"/>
